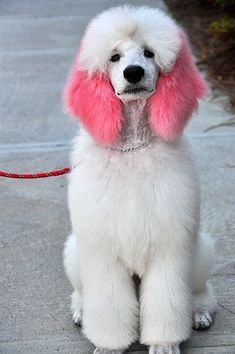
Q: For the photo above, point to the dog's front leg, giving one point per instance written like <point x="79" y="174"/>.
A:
<point x="165" y="301"/>
<point x="110" y="306"/>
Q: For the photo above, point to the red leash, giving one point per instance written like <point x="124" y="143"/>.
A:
<point x="52" y="173"/>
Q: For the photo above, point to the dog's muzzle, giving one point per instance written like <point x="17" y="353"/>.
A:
<point x="133" y="73"/>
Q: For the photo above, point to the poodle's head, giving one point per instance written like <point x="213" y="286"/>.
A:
<point x="130" y="53"/>
<point x="132" y="70"/>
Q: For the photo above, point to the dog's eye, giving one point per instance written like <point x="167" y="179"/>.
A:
<point x="148" y="53"/>
<point x="115" y="57"/>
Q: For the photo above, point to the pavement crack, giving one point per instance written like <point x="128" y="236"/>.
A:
<point x="222" y="124"/>
<point x="226" y="308"/>
<point x="35" y="147"/>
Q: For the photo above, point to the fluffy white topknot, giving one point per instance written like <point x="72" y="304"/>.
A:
<point x="150" y="27"/>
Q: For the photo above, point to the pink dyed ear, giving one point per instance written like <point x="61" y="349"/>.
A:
<point x="91" y="98"/>
<point x="176" y="95"/>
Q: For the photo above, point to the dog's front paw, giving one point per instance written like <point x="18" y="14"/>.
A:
<point x="164" y="349"/>
<point x="107" y="351"/>
<point x="202" y="320"/>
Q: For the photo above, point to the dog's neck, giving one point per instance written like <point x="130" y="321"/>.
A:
<point x="136" y="132"/>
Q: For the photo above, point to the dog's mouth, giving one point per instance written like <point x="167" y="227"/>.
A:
<point x="131" y="90"/>
<point x="134" y="90"/>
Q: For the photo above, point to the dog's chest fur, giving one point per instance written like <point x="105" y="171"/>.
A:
<point x="135" y="126"/>
<point x="134" y="202"/>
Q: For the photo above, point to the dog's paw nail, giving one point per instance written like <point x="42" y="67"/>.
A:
<point x="202" y="320"/>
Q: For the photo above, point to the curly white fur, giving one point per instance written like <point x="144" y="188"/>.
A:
<point x="137" y="213"/>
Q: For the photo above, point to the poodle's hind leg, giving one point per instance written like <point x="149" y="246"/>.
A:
<point x="204" y="308"/>
<point x="72" y="270"/>
<point x="204" y="303"/>
<point x="76" y="307"/>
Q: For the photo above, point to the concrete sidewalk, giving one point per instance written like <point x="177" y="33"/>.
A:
<point x="38" y="41"/>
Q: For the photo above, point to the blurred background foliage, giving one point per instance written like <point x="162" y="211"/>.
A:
<point x="210" y="25"/>
<point x="224" y="26"/>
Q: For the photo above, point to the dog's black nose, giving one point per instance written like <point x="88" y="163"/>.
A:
<point x="133" y="73"/>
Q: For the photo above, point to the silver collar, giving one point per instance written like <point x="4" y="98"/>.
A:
<point x="140" y="146"/>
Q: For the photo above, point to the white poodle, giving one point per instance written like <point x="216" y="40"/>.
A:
<point x="134" y="192"/>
